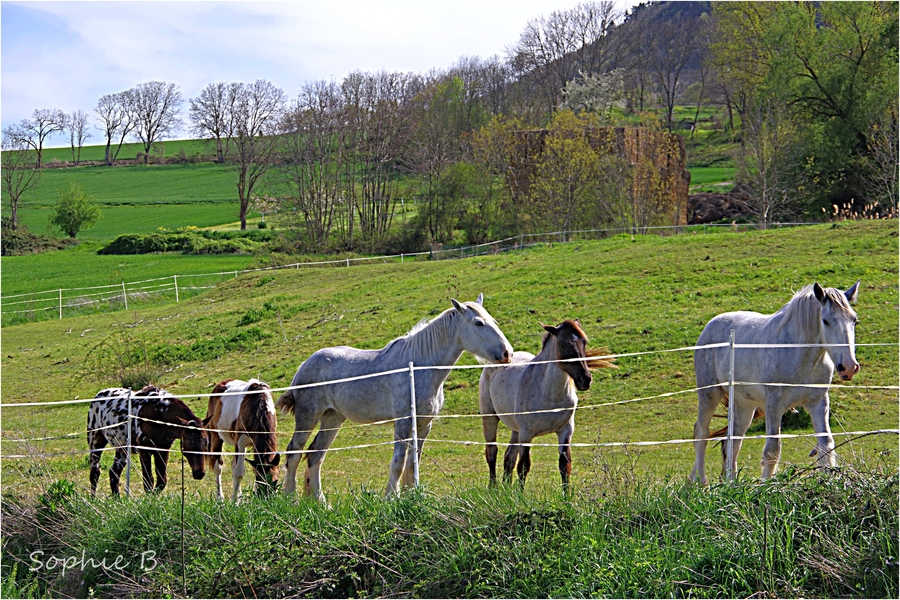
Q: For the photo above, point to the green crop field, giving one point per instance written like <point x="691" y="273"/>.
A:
<point x="95" y="151"/>
<point x="631" y="295"/>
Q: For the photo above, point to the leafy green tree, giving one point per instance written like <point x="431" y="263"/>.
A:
<point x="74" y="210"/>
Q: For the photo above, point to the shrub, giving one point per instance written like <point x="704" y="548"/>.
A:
<point x="74" y="210"/>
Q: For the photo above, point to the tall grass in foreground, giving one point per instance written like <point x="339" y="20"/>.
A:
<point x="803" y="533"/>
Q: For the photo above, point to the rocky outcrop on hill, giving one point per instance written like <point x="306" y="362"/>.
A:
<point x="708" y="207"/>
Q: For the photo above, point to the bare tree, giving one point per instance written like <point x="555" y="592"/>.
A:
<point x="155" y="106"/>
<point x="258" y="109"/>
<point x="312" y="170"/>
<point x="669" y="48"/>
<point x="117" y="120"/>
<point x="769" y="160"/>
<point x="379" y="112"/>
<point x="212" y="115"/>
<point x="884" y="160"/>
<point x="19" y="172"/>
<point x="33" y="132"/>
<point x="77" y="126"/>
<point x="552" y="50"/>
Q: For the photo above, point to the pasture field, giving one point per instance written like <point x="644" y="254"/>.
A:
<point x="631" y="295"/>
<point x="168" y="148"/>
<point x="632" y="519"/>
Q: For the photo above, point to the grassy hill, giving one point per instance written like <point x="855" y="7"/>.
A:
<point x="631" y="295"/>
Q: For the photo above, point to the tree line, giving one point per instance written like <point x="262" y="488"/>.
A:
<point x="808" y="90"/>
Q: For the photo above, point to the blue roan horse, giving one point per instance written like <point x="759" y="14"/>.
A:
<point x="437" y="343"/>
<point x="815" y="315"/>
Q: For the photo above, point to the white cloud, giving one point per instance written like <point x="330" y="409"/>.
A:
<point x="67" y="54"/>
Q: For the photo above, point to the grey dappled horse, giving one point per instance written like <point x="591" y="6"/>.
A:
<point x="439" y="342"/>
<point x="815" y="315"/>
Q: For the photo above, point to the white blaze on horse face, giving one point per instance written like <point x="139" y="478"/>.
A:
<point x="838" y="328"/>
<point x="480" y="335"/>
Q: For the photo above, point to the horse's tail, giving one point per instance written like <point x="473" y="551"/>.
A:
<point x="286" y="403"/>
<point x="602" y="361"/>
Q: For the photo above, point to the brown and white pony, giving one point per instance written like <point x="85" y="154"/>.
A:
<point x="161" y="419"/>
<point x="242" y="413"/>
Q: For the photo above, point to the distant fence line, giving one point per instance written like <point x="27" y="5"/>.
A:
<point x="117" y="296"/>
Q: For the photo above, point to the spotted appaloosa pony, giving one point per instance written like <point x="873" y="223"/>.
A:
<point x="816" y="316"/>
<point x="546" y="389"/>
<point x="162" y="419"/>
<point x="242" y="413"/>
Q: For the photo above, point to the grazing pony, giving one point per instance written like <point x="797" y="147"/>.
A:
<point x="243" y="414"/>
<point x="439" y="342"/>
<point x="545" y="389"/>
<point x="815" y="315"/>
<point x="162" y="419"/>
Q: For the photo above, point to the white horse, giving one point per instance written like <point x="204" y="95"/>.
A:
<point x="440" y="342"/>
<point x="813" y="316"/>
<point x="535" y="396"/>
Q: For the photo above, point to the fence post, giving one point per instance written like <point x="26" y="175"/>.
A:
<point x="60" y="303"/>
<point x="401" y="258"/>
<point x="415" y="427"/>
<point x="175" y="277"/>
<point x="348" y="261"/>
<point x="729" y="448"/>
<point x="130" y="425"/>
<point x="124" y="295"/>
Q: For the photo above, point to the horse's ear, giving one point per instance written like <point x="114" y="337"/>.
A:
<point x="550" y="328"/>
<point x="480" y="299"/>
<point x="852" y="292"/>
<point x="819" y="292"/>
<point x="457" y="305"/>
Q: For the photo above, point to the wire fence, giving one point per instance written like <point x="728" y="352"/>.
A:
<point x="68" y="302"/>
<point x="132" y="415"/>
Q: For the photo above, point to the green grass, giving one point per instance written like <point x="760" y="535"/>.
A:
<point x="707" y="175"/>
<point x="799" y="535"/>
<point x="169" y="148"/>
<point x="637" y="295"/>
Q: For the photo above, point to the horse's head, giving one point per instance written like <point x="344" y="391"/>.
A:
<point x="194" y="442"/>
<point x="571" y="343"/>
<point x="480" y="334"/>
<point x="837" y="327"/>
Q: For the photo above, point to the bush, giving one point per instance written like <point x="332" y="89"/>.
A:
<point x="184" y="242"/>
<point x="74" y="210"/>
<point x="21" y="241"/>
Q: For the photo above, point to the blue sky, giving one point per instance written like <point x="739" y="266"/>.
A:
<point x="67" y="54"/>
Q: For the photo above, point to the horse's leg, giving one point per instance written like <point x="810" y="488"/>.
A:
<point x="707" y="401"/>
<point x="489" y="425"/>
<point x="146" y="469"/>
<point x="402" y="433"/>
<point x="511" y="456"/>
<point x="115" y="471"/>
<point x="743" y="416"/>
<point x="216" y="446"/>
<point x="97" y="443"/>
<point x="161" y="458"/>
<point x="524" y="466"/>
<point x="331" y="423"/>
<point x="772" y="450"/>
<point x="408" y="477"/>
<point x="304" y="422"/>
<point x="238" y="466"/>
<point x="819" y="411"/>
<point x="565" y="452"/>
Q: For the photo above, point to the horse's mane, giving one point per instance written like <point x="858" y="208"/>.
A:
<point x="426" y="335"/>
<point x="804" y="309"/>
<point x="596" y="356"/>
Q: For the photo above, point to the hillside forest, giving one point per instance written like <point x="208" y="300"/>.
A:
<point x="798" y="100"/>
